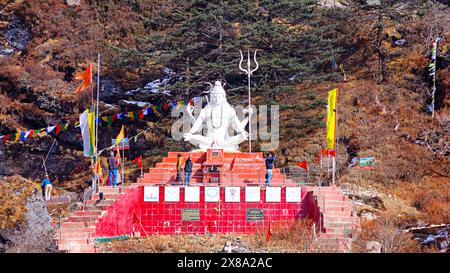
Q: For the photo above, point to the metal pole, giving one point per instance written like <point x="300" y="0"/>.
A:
<point x="96" y="121"/>
<point x="249" y="105"/>
<point x="123" y="177"/>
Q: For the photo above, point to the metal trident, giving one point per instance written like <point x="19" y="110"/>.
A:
<point x="249" y="73"/>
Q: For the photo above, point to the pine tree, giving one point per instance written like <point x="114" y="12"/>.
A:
<point x="204" y="39"/>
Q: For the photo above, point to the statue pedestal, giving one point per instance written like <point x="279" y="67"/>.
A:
<point x="213" y="167"/>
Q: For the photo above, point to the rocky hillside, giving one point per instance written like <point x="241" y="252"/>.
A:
<point x="162" y="51"/>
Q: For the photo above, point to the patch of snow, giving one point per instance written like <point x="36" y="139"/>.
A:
<point x="138" y="103"/>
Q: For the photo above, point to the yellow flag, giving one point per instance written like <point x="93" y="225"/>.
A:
<point x="120" y="136"/>
<point x="91" y="130"/>
<point x="331" y="119"/>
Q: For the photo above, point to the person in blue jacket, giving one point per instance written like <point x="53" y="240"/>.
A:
<point x="46" y="187"/>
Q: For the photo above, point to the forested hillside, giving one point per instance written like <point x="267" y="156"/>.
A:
<point x="164" y="51"/>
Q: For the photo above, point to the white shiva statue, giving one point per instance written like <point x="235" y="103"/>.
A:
<point x="218" y="116"/>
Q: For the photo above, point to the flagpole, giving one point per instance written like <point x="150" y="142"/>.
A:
<point x="96" y="112"/>
<point x="123" y="178"/>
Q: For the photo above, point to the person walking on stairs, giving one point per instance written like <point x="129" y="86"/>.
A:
<point x="113" y="171"/>
<point x="180" y="164"/>
<point x="269" y="166"/>
<point x="188" y="170"/>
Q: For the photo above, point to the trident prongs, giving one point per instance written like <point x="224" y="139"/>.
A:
<point x="249" y="73"/>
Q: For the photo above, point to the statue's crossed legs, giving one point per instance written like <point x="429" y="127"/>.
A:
<point x="206" y="142"/>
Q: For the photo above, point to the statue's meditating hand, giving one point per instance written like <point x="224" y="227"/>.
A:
<point x="219" y="116"/>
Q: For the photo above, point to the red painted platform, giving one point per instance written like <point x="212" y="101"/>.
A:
<point x="128" y="213"/>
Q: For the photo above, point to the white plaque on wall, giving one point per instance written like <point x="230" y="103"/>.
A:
<point x="293" y="194"/>
<point x="151" y="194"/>
<point x="212" y="194"/>
<point x="273" y="194"/>
<point x="232" y="194"/>
<point x="172" y="194"/>
<point x="192" y="194"/>
<point x="252" y="194"/>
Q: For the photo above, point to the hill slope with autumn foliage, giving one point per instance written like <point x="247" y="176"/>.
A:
<point x="382" y="104"/>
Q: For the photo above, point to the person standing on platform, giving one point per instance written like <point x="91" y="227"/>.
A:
<point x="47" y="187"/>
<point x="180" y="163"/>
<point x="188" y="170"/>
<point x="113" y="171"/>
<point x="269" y="166"/>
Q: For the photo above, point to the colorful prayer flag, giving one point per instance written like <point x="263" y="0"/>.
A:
<point x="138" y="161"/>
<point x="303" y="165"/>
<point x="120" y="136"/>
<point x="86" y="76"/>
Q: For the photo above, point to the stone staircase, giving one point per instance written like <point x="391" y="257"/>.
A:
<point x="75" y="234"/>
<point x="339" y="223"/>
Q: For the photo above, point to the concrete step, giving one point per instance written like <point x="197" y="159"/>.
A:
<point x="112" y="196"/>
<point x="108" y="190"/>
<point x="86" y="219"/>
<point x="72" y="235"/>
<point x="76" y="229"/>
<point x="332" y="236"/>
<point x="338" y="218"/>
<point x="77" y="225"/>
<point x="104" y="202"/>
<point x="73" y="247"/>
<point x="338" y="224"/>
<point x="73" y="241"/>
<point x="94" y="214"/>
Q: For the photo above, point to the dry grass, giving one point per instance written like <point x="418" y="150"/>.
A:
<point x="388" y="234"/>
<point x="14" y="191"/>
<point x="294" y="239"/>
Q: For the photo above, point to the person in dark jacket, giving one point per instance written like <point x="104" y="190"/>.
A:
<point x="269" y="166"/>
<point x="113" y="172"/>
<point x="188" y="170"/>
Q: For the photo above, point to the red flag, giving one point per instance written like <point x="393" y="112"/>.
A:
<point x="232" y="164"/>
<point x="5" y="138"/>
<point x="269" y="232"/>
<point x="138" y="160"/>
<point x="303" y="165"/>
<point x="86" y="76"/>
<point x="329" y="152"/>
<point x="135" y="218"/>
<point x="58" y="129"/>
<point x="209" y="226"/>
<point x="165" y="106"/>
<point x="141" y="114"/>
